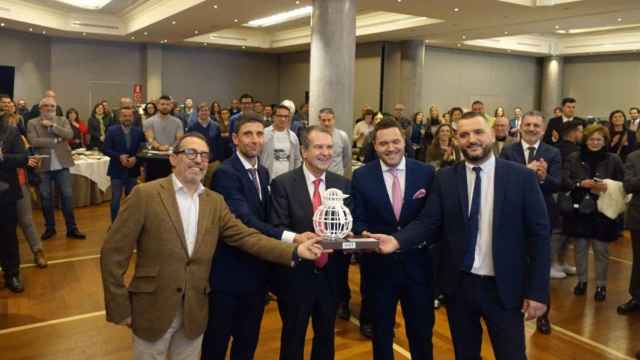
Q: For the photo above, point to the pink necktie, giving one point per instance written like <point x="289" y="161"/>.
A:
<point x="316" y="202"/>
<point x="396" y="193"/>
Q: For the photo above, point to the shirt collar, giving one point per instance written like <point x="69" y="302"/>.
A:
<point x="245" y="162"/>
<point x="401" y="166"/>
<point x="177" y="185"/>
<point x="525" y="145"/>
<point x="126" y="129"/>
<point x="310" y="177"/>
<point x="486" y="167"/>
<point x="565" y="119"/>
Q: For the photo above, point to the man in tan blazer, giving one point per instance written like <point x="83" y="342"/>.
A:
<point x="48" y="134"/>
<point x="175" y="224"/>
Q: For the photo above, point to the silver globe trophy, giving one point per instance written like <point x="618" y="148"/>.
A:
<point x="333" y="221"/>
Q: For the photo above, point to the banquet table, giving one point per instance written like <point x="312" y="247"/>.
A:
<point x="91" y="185"/>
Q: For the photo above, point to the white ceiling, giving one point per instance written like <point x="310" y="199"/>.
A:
<point x="517" y="26"/>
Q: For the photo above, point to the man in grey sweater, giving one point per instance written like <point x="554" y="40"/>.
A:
<point x="341" y="162"/>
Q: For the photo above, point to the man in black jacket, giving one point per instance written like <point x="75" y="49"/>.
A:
<point x="554" y="126"/>
<point x="12" y="156"/>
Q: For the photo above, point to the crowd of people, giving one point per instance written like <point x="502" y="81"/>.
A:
<point x="471" y="210"/>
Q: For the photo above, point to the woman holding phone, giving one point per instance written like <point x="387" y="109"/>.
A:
<point x="583" y="174"/>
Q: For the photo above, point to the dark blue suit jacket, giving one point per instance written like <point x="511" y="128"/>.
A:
<point x="234" y="271"/>
<point x="520" y="231"/>
<point x="551" y="184"/>
<point x="116" y="145"/>
<point x="373" y="211"/>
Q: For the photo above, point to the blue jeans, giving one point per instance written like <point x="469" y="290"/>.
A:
<point x="62" y="178"/>
<point x="117" y="185"/>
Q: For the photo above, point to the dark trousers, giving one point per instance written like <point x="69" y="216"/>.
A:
<point x="634" y="284"/>
<point x="344" y="292"/>
<point x="62" y="179"/>
<point x="316" y="302"/>
<point x="416" y="300"/>
<point x="233" y="316"/>
<point x="365" y="303"/>
<point x="117" y="187"/>
<point x="9" y="250"/>
<point x="477" y="298"/>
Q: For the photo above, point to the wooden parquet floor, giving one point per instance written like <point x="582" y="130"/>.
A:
<point x="61" y="313"/>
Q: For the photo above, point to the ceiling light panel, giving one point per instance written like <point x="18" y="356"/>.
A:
<point x="281" y="17"/>
<point x="86" y="4"/>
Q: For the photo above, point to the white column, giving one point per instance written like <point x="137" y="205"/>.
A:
<point x="333" y="51"/>
<point x="153" y="62"/>
<point x="551" y="85"/>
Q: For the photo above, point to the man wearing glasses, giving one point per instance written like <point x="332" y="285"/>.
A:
<point x="49" y="135"/>
<point x="281" y="150"/>
<point x="175" y="224"/>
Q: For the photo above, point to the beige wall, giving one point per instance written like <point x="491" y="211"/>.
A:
<point x="602" y="84"/>
<point x="294" y="77"/>
<point x="207" y="74"/>
<point x="30" y="54"/>
<point x="458" y="77"/>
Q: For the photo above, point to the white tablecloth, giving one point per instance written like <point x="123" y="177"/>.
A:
<point x="95" y="170"/>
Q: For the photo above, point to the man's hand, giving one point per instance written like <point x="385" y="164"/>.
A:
<point x="123" y="159"/>
<point x="46" y="123"/>
<point x="34" y="162"/>
<point x="533" y="309"/>
<point x="555" y="136"/>
<point x="386" y="243"/>
<point x="587" y="183"/>
<point x="131" y="161"/>
<point x="310" y="249"/>
<point x="599" y="187"/>
<point x="163" y="147"/>
<point x="304" y="237"/>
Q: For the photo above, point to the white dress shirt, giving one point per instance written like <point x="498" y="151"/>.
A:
<point x="189" y="206"/>
<point x="388" y="178"/>
<point x="309" y="178"/>
<point x="483" y="258"/>
<point x="287" y="236"/>
<point x="566" y="119"/>
<point x="525" y="149"/>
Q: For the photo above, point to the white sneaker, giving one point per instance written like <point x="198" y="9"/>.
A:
<point x="557" y="273"/>
<point x="568" y="269"/>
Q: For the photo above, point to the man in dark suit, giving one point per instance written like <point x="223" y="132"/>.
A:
<point x="238" y="279"/>
<point x="495" y="244"/>
<point x="121" y="143"/>
<point x="554" y="126"/>
<point x="545" y="161"/>
<point x="126" y="102"/>
<point x="632" y="186"/>
<point x="309" y="290"/>
<point x="387" y="195"/>
<point x="12" y="156"/>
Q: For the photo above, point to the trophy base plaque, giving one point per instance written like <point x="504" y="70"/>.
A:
<point x="350" y="244"/>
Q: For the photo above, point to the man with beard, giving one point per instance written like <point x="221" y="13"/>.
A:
<point x="49" y="135"/>
<point x="491" y="218"/>
<point x="175" y="224"/>
<point x="163" y="129"/>
<point x="545" y="161"/>
<point x="634" y="119"/>
<point x="387" y="195"/>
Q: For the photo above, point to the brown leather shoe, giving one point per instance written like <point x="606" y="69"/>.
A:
<point x="40" y="259"/>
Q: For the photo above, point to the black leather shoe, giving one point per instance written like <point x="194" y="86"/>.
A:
<point x="48" y="234"/>
<point x="343" y="311"/>
<point x="600" y="294"/>
<point x="543" y="325"/>
<point x="629" y="307"/>
<point x="366" y="330"/>
<point x="76" y="234"/>
<point x="14" y="284"/>
<point x="580" y="289"/>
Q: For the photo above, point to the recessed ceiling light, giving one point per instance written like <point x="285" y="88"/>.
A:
<point x="30" y="29"/>
<point x="173" y="22"/>
<point x="557" y="26"/>
<point x="215" y="6"/>
<point x="204" y="44"/>
<point x="145" y="33"/>
<point x="235" y="20"/>
<point x="506" y="33"/>
<point x="195" y="32"/>
<point x="133" y="38"/>
<point x="2" y="24"/>
<point x="43" y="32"/>
<point x="244" y="47"/>
<point x="399" y="1"/>
<point x="619" y="19"/>
<point x="459" y="44"/>
<point x="464" y="37"/>
<point x="297" y="2"/>
<point x="456" y="9"/>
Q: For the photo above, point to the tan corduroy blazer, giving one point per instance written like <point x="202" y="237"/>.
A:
<point x="149" y="220"/>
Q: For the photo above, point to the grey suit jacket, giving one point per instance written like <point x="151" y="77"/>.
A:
<point x="632" y="186"/>
<point x="44" y="140"/>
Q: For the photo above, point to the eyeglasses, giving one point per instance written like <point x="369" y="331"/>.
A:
<point x="191" y="154"/>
